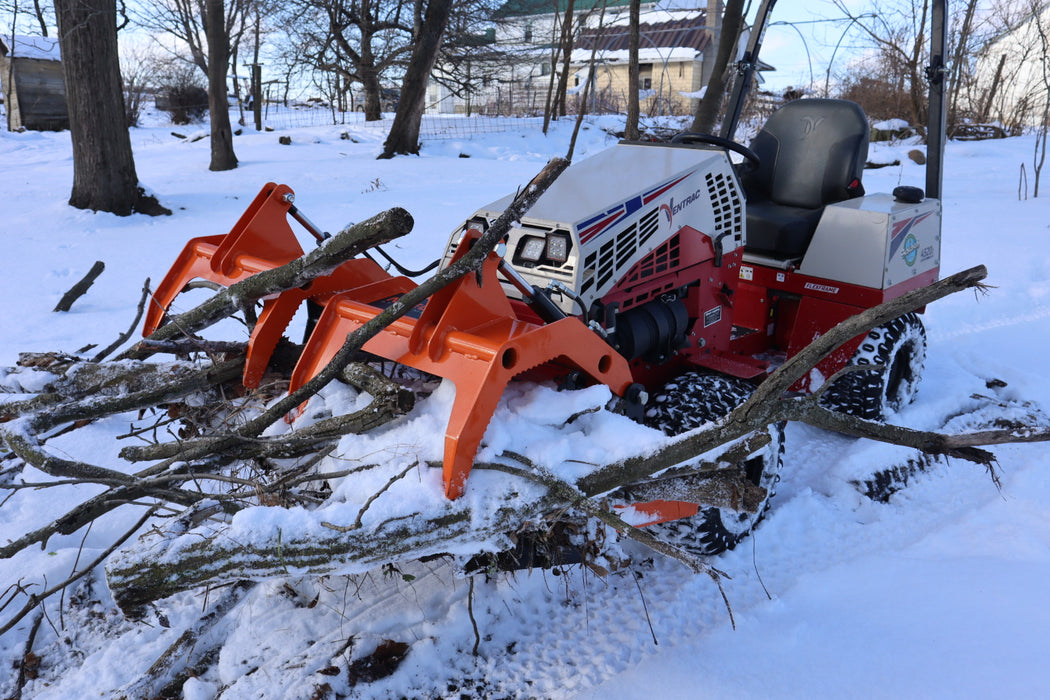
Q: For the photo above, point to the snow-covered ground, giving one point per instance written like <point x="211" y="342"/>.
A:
<point x="939" y="593"/>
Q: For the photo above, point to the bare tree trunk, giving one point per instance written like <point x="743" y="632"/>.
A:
<point x="711" y="103"/>
<point x="986" y="105"/>
<point x="104" y="177"/>
<point x="404" y="133"/>
<point x="590" y="88"/>
<point x="1043" y="49"/>
<point x="551" y="104"/>
<point x="222" y="155"/>
<point x="373" y="107"/>
<point x="38" y="12"/>
<point x="631" y="131"/>
<point x="561" y="96"/>
<point x="959" y="61"/>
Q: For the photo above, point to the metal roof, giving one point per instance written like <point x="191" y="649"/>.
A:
<point x="525" y="8"/>
<point x="683" y="33"/>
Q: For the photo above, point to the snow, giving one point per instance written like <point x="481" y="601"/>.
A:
<point x="36" y="47"/>
<point x="890" y="124"/>
<point x="938" y="593"/>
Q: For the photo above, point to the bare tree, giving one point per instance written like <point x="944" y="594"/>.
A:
<point x="1017" y="93"/>
<point x="1041" y="25"/>
<point x="222" y="155"/>
<point x="471" y="63"/>
<point x="561" y="44"/>
<point x="430" y="28"/>
<point x="896" y="33"/>
<point x="40" y="15"/>
<point x="360" y="41"/>
<point x="633" y="41"/>
<point x="138" y="74"/>
<point x="185" y="21"/>
<point x="104" y="177"/>
<point x="209" y="29"/>
<point x="965" y="46"/>
<point x="711" y="103"/>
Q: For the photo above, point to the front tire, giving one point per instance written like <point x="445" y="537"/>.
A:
<point x="693" y="400"/>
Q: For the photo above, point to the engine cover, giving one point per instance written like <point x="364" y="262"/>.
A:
<point x="607" y="214"/>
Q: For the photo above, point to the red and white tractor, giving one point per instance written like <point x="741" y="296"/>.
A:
<point x="665" y="271"/>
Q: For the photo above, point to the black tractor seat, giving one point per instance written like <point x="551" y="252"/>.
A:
<point x="812" y="153"/>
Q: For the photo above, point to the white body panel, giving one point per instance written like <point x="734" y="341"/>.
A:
<point x="618" y="207"/>
<point x="875" y="241"/>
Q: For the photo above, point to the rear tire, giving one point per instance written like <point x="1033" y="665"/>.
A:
<point x="900" y="347"/>
<point x="688" y="402"/>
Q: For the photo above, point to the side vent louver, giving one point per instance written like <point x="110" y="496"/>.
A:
<point x="601" y="265"/>
<point x="661" y="261"/>
<point x="726" y="206"/>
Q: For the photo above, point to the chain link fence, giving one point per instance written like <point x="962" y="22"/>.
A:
<point x="433" y="127"/>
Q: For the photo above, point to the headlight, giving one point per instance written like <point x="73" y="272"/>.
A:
<point x="532" y="248"/>
<point x="558" y="247"/>
<point x="550" y="249"/>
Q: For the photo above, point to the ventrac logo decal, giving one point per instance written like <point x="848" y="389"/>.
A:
<point x="810" y="124"/>
<point x="903" y="239"/>
<point x="599" y="224"/>
<point x="672" y="207"/>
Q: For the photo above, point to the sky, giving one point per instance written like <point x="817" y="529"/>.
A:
<point x="803" y="38"/>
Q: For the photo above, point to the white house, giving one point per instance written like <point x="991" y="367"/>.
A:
<point x="511" y="72"/>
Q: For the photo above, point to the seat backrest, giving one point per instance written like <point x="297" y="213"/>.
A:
<point x="811" y="152"/>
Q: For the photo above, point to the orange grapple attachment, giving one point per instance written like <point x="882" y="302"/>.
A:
<point x="260" y="240"/>
<point x="468" y="333"/>
<point x="360" y="273"/>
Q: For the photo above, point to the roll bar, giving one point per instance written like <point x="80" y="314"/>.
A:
<point x="935" y="74"/>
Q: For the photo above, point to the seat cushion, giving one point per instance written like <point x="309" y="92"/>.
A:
<point x="780" y="231"/>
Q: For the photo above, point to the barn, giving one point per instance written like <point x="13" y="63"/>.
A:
<point x="33" y="87"/>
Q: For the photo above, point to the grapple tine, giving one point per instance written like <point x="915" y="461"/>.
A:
<point x="193" y="262"/>
<point x="361" y="274"/>
<point x="260" y="240"/>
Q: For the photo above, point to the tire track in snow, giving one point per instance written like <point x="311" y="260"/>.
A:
<point x="959" y="330"/>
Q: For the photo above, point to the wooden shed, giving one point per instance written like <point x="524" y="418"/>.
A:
<point x="33" y="87"/>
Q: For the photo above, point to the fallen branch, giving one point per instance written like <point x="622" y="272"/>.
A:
<point x="123" y="337"/>
<point x="389" y="400"/>
<point x="80" y="288"/>
<point x="36" y="599"/>
<point x="178" y="660"/>
<point x="765" y="406"/>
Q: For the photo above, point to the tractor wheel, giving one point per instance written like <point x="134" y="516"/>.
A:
<point x="688" y="402"/>
<point x="900" y="348"/>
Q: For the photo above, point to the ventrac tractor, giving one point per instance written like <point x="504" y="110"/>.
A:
<point x="667" y="271"/>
